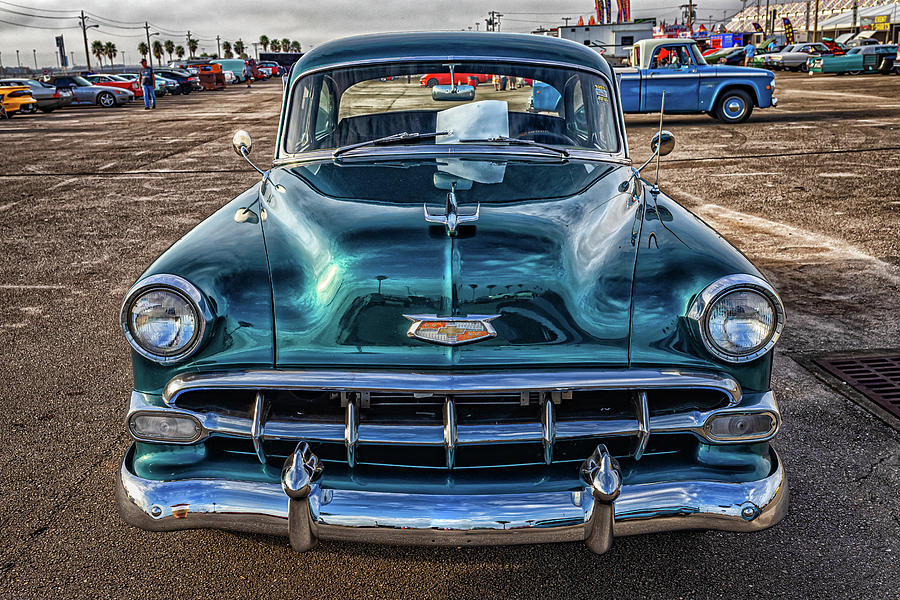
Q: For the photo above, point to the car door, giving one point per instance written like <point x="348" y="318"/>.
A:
<point x="673" y="70"/>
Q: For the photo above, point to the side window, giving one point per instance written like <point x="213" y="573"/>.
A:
<point x="325" y="118"/>
<point x="579" y="117"/>
<point x="671" y="57"/>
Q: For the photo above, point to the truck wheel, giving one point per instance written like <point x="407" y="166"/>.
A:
<point x="854" y="72"/>
<point x="734" y="106"/>
<point x="106" y="100"/>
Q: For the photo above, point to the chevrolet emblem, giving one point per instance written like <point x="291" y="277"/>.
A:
<point x="451" y="331"/>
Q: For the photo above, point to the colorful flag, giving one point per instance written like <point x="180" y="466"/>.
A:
<point x="598" y="8"/>
<point x="788" y="30"/>
<point x="607" y="5"/>
<point x="625" y="10"/>
<point x="757" y="27"/>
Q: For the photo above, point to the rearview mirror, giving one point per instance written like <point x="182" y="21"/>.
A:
<point x="446" y="181"/>
<point x="458" y="93"/>
<point x="664" y="140"/>
<point x="242" y="142"/>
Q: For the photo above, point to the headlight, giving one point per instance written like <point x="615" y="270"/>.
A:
<point x="165" y="318"/>
<point x="740" y="317"/>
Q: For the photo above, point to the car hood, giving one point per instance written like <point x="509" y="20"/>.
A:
<point x="350" y="253"/>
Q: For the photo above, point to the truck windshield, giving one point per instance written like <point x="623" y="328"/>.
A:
<point x="553" y="106"/>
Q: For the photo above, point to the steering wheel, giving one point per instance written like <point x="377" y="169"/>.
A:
<point x="545" y="133"/>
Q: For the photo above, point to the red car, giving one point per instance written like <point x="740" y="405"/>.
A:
<point x="269" y="68"/>
<point x="433" y="79"/>
<point x="116" y="81"/>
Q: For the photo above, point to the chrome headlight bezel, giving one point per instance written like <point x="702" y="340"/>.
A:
<point x="703" y="303"/>
<point x="187" y="292"/>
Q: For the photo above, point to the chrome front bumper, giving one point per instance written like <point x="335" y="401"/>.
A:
<point x="306" y="512"/>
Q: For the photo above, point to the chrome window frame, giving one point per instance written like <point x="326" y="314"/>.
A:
<point x="283" y="157"/>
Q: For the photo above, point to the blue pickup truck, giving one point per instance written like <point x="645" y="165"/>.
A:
<point x="692" y="86"/>
<point x="675" y="65"/>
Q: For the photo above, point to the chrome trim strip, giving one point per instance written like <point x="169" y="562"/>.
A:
<point x="548" y="429"/>
<point x="451" y="519"/>
<point x="257" y="429"/>
<point x="450" y="439"/>
<point x="643" y="419"/>
<point x="351" y="431"/>
<point x="511" y="382"/>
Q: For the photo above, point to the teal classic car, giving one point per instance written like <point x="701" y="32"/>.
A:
<point x="862" y="59"/>
<point x="441" y="318"/>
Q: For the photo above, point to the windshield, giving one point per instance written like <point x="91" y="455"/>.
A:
<point x="81" y="81"/>
<point x="489" y="101"/>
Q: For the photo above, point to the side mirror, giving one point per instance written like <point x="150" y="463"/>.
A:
<point x="458" y="93"/>
<point x="242" y="142"/>
<point x="664" y="141"/>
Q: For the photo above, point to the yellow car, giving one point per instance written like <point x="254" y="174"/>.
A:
<point x="15" y="98"/>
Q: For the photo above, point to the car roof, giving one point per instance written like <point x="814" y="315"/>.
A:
<point x="449" y="46"/>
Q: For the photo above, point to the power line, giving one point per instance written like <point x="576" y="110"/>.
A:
<point x="33" y="8"/>
<point x="37" y="26"/>
<point x="15" y="12"/>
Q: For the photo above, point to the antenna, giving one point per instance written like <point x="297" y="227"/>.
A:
<point x="662" y="108"/>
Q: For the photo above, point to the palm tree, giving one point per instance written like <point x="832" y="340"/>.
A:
<point x="285" y="45"/>
<point x="169" y="45"/>
<point x="110" y="50"/>
<point x="264" y="42"/>
<point x="276" y="45"/>
<point x="157" y="51"/>
<point x="238" y="47"/>
<point x="295" y="46"/>
<point x="226" y="50"/>
<point x="192" y="46"/>
<point x="98" y="50"/>
<point x="144" y="49"/>
<point x="179" y="52"/>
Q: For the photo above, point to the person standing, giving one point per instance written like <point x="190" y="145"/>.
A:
<point x="749" y="52"/>
<point x="148" y="83"/>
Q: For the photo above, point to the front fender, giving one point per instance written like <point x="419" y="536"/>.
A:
<point x="225" y="258"/>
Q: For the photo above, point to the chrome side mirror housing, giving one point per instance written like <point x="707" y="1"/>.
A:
<point x="664" y="142"/>
<point x="242" y="142"/>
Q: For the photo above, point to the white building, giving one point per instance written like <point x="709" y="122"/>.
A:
<point x="615" y="38"/>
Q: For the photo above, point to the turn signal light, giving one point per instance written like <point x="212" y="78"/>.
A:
<point x="741" y="426"/>
<point x="164" y="427"/>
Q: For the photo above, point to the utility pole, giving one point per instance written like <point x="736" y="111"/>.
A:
<point x="18" y="62"/>
<point x="188" y="38"/>
<point x="766" y="26"/>
<point x="256" y="49"/>
<point x="87" y="53"/>
<point x="218" y="47"/>
<point x="35" y="59"/>
<point x="855" y="14"/>
<point x="567" y="19"/>
<point x="477" y="25"/>
<point x="149" y="47"/>
<point x="691" y="17"/>
<point x="816" y="26"/>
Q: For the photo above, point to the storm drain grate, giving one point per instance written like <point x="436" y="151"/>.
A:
<point x="876" y="377"/>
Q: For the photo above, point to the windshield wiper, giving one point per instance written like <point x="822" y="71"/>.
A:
<point x="390" y="139"/>
<point x="515" y="141"/>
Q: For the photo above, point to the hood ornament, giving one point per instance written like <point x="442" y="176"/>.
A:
<point x="451" y="331"/>
<point x="451" y="217"/>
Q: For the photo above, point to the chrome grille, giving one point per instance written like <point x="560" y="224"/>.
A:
<point x="427" y="427"/>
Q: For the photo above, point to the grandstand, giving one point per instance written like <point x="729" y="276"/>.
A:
<point x="797" y="13"/>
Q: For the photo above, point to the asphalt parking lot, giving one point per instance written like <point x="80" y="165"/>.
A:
<point x="810" y="191"/>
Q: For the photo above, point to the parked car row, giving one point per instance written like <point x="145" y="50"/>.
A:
<point x="23" y="95"/>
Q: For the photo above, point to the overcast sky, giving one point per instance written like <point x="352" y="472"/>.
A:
<point x="309" y="22"/>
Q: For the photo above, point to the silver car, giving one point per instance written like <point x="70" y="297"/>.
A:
<point x="48" y="96"/>
<point x="794" y="57"/>
<point x="86" y="93"/>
